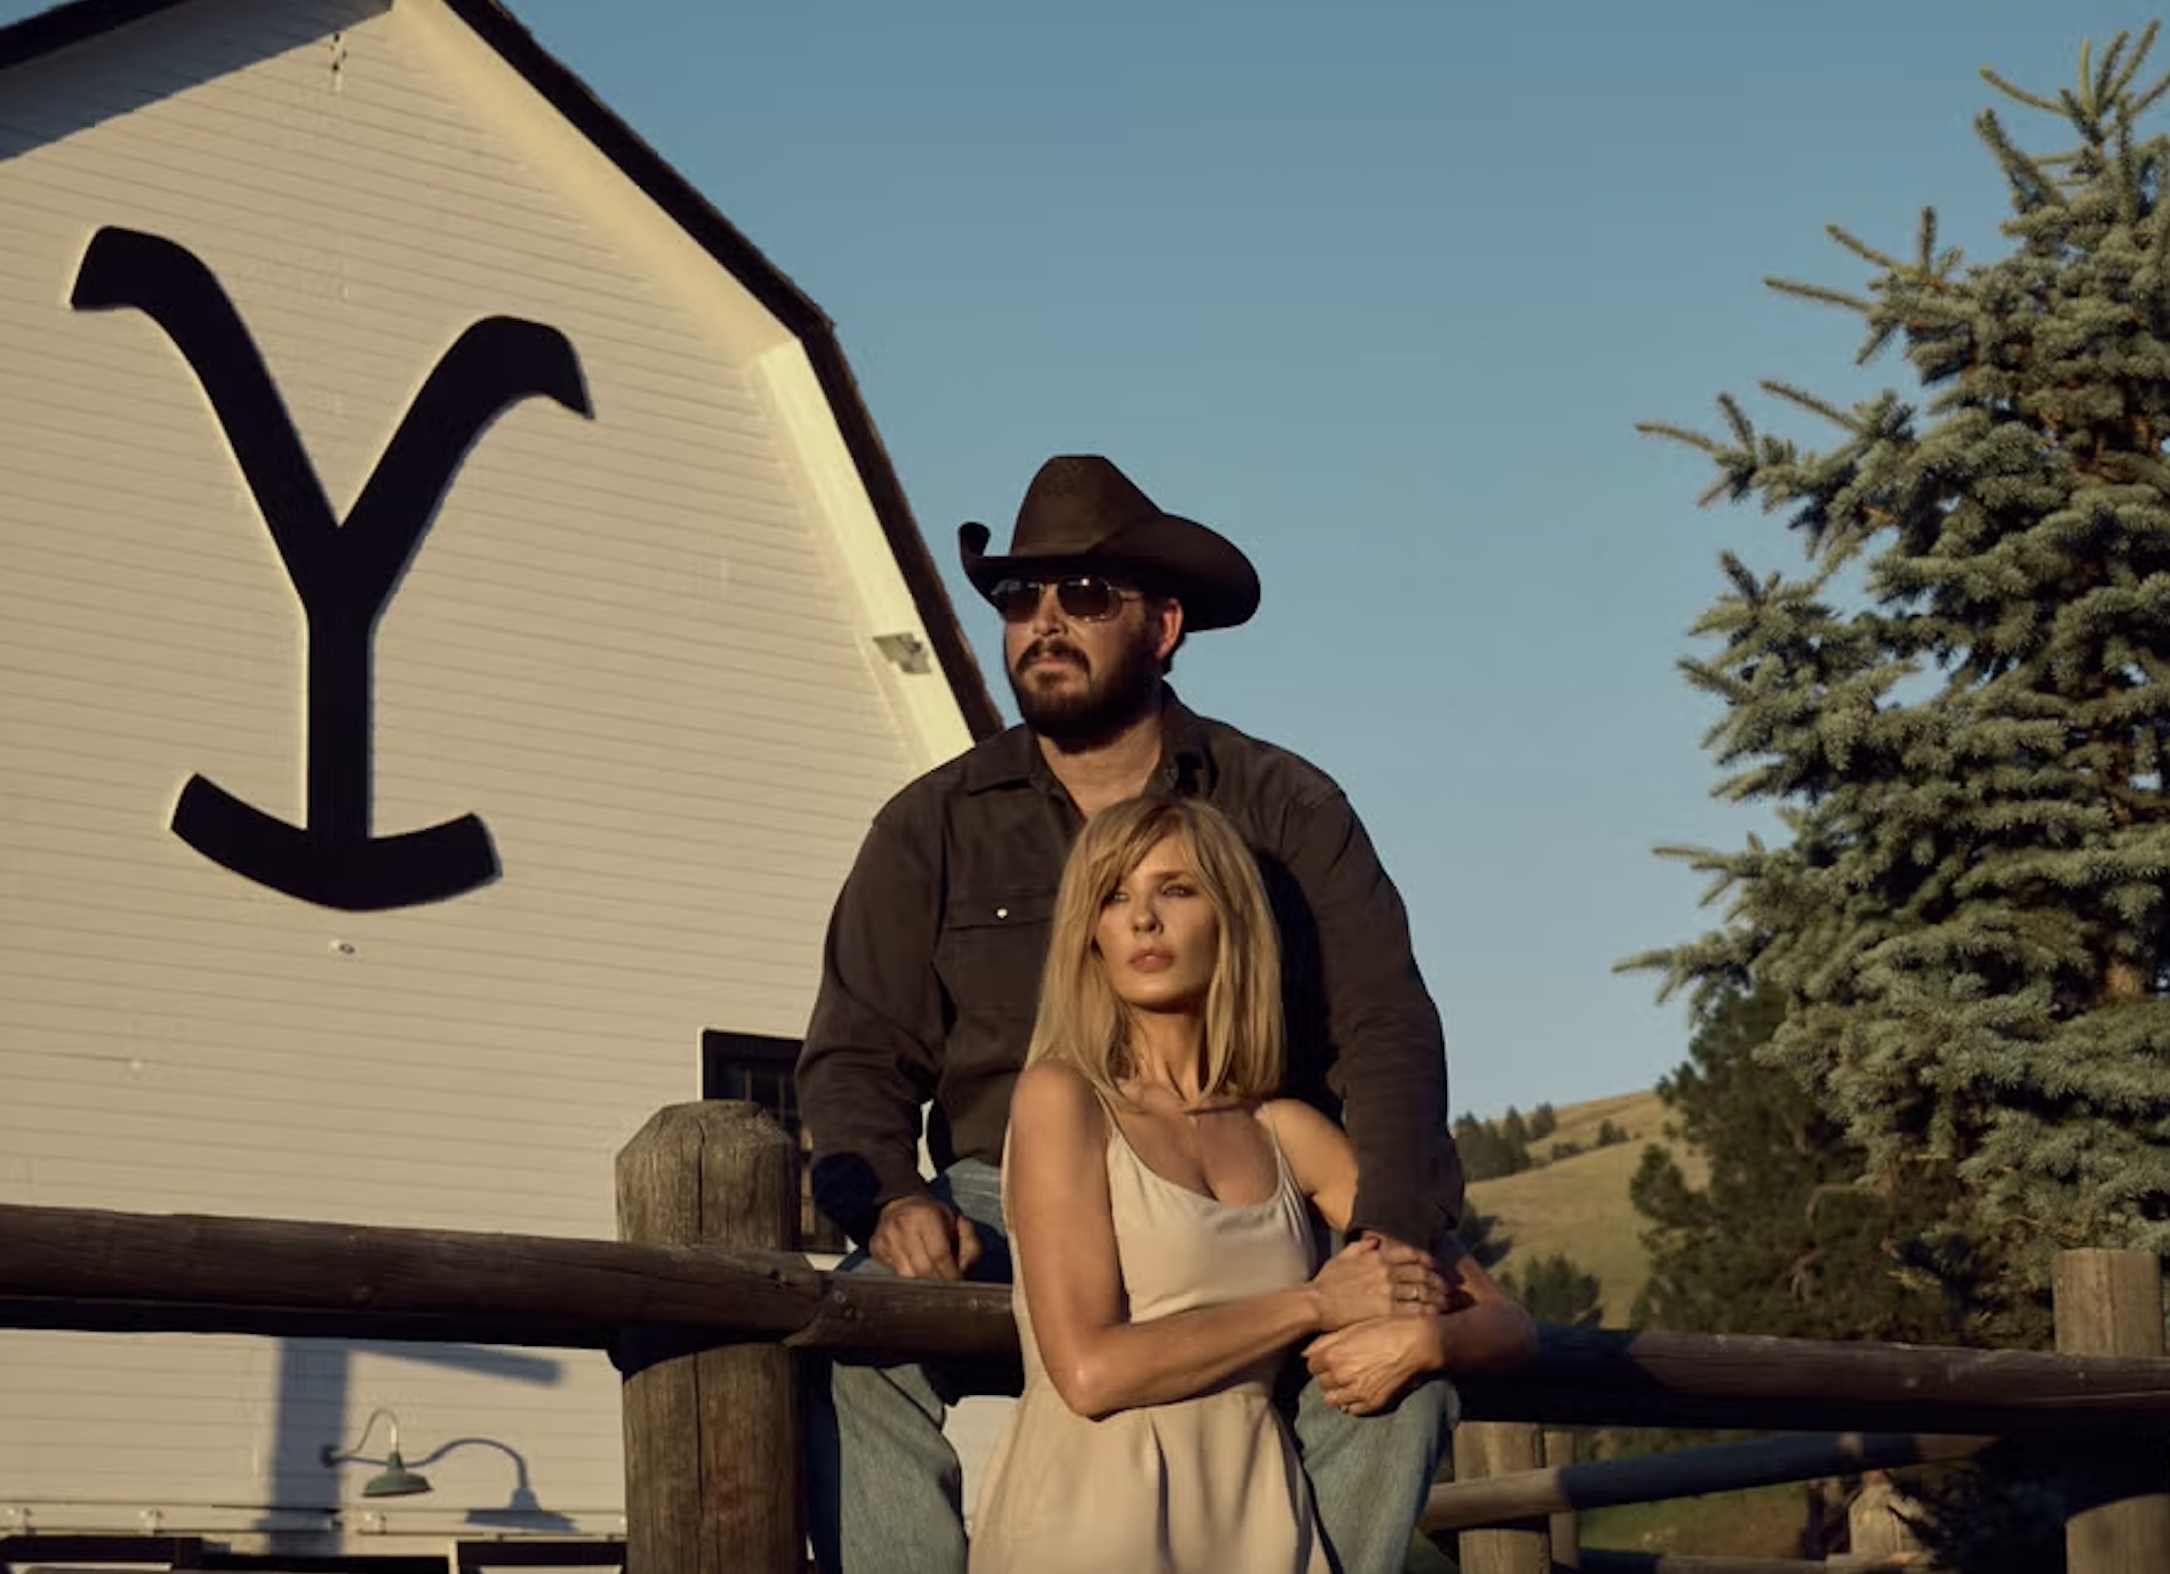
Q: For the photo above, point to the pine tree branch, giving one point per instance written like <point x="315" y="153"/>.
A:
<point x="1699" y="858"/>
<point x="1746" y="582"/>
<point x="2113" y="88"/>
<point x="1681" y="434"/>
<point x="2084" y="119"/>
<point x="2139" y="106"/>
<point x="1927" y="249"/>
<point x="2011" y="90"/>
<point x="1736" y="466"/>
<point x="1650" y="962"/>
<point x="1744" y="430"/>
<point x="2140" y="52"/>
<point x="2131" y="178"/>
<point x="2057" y="163"/>
<point x="1801" y="397"/>
<point x="1879" y="340"/>
<point x="1821" y="294"/>
<point x="2128" y="466"/>
<point x="1714" y="680"/>
<point x="2103" y="90"/>
<point x="2029" y="182"/>
<point x="1862" y="249"/>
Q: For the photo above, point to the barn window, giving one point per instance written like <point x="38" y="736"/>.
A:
<point x="751" y="1067"/>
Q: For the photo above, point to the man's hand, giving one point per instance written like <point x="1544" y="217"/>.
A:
<point x="1419" y="1283"/>
<point x="920" y="1238"/>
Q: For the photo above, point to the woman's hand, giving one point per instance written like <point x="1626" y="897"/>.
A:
<point x="1363" y="1369"/>
<point x="1373" y="1278"/>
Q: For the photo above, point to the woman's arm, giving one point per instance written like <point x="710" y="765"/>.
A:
<point x="1063" y="1229"/>
<point x="1324" y="1161"/>
<point x="1362" y="1369"/>
<point x="1319" y="1154"/>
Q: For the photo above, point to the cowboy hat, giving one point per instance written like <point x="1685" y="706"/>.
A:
<point x="1081" y="515"/>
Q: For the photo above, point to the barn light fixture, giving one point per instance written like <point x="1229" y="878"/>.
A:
<point x="907" y="652"/>
<point x="395" y="1479"/>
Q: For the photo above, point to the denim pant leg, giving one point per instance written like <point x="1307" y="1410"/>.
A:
<point x="884" y="1489"/>
<point x="1371" y="1474"/>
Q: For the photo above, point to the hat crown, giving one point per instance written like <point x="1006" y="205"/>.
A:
<point x="1081" y="515"/>
<point x="1076" y="503"/>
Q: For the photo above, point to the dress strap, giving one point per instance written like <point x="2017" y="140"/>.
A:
<point x="1115" y="1130"/>
<point x="1117" y="1137"/>
<point x="1100" y="1097"/>
<point x="1280" y="1154"/>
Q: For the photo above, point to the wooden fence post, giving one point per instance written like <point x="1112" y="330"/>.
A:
<point x="1493" y="1448"/>
<point x="1564" y="1526"/>
<point x="712" y="1436"/>
<point x="2110" y="1303"/>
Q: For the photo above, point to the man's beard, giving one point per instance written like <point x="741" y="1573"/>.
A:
<point x="1083" y="717"/>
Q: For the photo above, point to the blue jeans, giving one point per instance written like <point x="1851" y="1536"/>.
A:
<point x="885" y="1491"/>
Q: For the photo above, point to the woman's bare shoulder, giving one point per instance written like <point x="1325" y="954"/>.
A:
<point x="1294" y="1120"/>
<point x="1051" y="1093"/>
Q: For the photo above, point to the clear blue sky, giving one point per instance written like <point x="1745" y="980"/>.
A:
<point x="1379" y="290"/>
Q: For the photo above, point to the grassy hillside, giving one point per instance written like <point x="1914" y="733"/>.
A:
<point x="1579" y="1205"/>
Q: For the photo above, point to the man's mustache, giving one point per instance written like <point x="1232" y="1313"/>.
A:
<point x="1055" y="649"/>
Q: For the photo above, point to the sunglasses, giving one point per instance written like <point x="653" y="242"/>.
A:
<point x="1084" y="599"/>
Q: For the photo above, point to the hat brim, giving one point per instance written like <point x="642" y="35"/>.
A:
<point x="1173" y="556"/>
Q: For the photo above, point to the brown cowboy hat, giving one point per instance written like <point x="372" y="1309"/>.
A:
<point x="1081" y="515"/>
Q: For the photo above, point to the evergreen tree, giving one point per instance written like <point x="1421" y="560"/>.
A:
<point x="1544" y="1121"/>
<point x="1487" y="1151"/>
<point x="1779" y="1240"/>
<point x="1557" y="1291"/>
<point x="1484" y="1156"/>
<point x="1959" y="711"/>
<point x="1476" y="1233"/>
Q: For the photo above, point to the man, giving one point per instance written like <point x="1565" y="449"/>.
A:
<point x="931" y="978"/>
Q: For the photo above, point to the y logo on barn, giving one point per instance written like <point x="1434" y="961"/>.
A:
<point x="273" y="262"/>
<point x="344" y="571"/>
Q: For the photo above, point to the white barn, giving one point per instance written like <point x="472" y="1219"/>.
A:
<point x="390" y="808"/>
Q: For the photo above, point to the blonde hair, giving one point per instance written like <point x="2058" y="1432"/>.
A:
<point x="1083" y="1024"/>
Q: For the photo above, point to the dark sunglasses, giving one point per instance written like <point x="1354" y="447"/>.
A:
<point x="1085" y="598"/>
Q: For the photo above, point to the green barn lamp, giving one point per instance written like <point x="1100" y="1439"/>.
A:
<point x="395" y="1479"/>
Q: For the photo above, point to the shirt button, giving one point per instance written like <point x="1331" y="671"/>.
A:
<point x="1002" y="912"/>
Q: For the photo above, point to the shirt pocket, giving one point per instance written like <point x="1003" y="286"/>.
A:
<point x="992" y="947"/>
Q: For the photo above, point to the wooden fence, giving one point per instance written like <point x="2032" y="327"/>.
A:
<point x="703" y="1304"/>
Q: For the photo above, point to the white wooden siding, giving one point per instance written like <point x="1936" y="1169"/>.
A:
<point x="638" y="646"/>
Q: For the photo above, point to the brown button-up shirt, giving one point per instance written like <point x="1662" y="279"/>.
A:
<point x="931" y="974"/>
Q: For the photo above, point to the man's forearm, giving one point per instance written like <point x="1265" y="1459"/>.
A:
<point x="1491" y="1336"/>
<point x="1409" y="1178"/>
<point x="855" y="1175"/>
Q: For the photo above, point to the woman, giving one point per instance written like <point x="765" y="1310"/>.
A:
<point x="1156" y="1197"/>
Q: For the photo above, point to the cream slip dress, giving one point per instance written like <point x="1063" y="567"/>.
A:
<point x="1199" y="1486"/>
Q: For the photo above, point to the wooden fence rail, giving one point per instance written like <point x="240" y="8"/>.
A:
<point x="1686" y="1472"/>
<point x="135" y="1272"/>
<point x="102" y="1271"/>
<point x="1678" y="1563"/>
<point x="687" y="1290"/>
